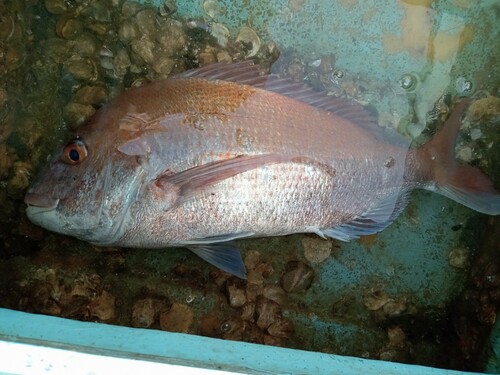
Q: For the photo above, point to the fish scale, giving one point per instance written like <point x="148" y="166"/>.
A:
<point x="243" y="204"/>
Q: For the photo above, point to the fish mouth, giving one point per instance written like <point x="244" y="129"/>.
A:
<point x="41" y="201"/>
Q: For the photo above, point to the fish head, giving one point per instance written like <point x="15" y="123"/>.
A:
<point x="85" y="191"/>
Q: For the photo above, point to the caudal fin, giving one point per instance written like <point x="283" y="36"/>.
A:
<point x="464" y="184"/>
<point x="469" y="186"/>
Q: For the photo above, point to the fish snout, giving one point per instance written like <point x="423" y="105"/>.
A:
<point x="40" y="200"/>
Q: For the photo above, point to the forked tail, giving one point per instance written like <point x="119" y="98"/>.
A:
<point x="464" y="184"/>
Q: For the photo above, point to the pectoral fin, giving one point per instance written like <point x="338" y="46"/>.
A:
<point x="175" y="188"/>
<point x="194" y="180"/>
<point x="224" y="255"/>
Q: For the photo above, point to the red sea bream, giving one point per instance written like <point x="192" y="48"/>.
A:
<point x="223" y="152"/>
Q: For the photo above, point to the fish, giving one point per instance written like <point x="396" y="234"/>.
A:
<point x="225" y="152"/>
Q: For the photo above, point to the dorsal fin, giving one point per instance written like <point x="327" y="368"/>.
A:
<point x="244" y="72"/>
<point x="320" y="99"/>
<point x="249" y="73"/>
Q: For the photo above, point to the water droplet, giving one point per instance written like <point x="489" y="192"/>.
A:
<point x="225" y="327"/>
<point x="491" y="278"/>
<point x="315" y="63"/>
<point x="408" y="82"/>
<point x="463" y="86"/>
<point x="336" y="76"/>
<point x="389" y="162"/>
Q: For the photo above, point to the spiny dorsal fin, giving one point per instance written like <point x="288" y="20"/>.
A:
<point x="249" y="73"/>
<point x="244" y="72"/>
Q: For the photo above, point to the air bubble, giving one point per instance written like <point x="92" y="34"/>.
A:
<point x="336" y="76"/>
<point x="389" y="162"/>
<point x="408" y="82"/>
<point x="463" y="86"/>
<point x="225" y="327"/>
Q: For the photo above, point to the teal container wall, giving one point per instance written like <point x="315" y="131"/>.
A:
<point x="172" y="348"/>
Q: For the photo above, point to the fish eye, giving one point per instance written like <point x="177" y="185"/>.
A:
<point x="74" y="152"/>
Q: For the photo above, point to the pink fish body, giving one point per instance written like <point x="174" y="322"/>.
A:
<point x="222" y="153"/>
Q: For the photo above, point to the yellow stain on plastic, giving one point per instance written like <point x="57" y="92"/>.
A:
<point x="446" y="44"/>
<point x="416" y="38"/>
<point x="415" y="31"/>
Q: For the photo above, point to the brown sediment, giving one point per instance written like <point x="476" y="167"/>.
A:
<point x="474" y="311"/>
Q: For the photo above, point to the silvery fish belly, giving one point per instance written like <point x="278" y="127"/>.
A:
<point x="224" y="152"/>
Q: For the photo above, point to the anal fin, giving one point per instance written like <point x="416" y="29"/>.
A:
<point x="373" y="221"/>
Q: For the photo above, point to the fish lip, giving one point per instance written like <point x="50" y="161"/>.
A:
<point x="41" y="201"/>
